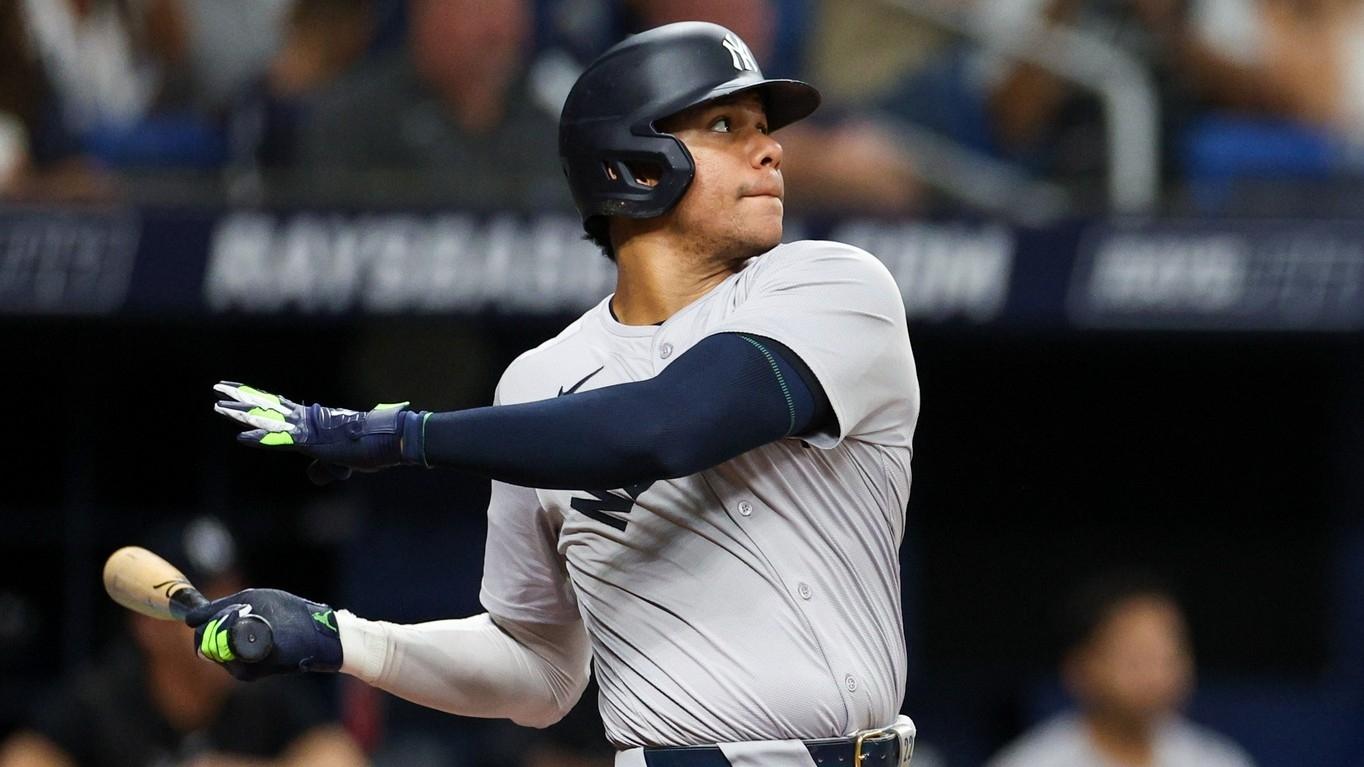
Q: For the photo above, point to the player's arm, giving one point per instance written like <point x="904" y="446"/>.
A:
<point x="725" y="396"/>
<point x="730" y="393"/>
<point x="529" y="663"/>
<point x="482" y="666"/>
<point x="479" y="666"/>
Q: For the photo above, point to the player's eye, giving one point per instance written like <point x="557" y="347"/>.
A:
<point x="720" y="124"/>
<point x="762" y="128"/>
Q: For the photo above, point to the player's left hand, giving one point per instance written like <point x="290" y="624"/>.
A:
<point x="305" y="634"/>
<point x="340" y="439"/>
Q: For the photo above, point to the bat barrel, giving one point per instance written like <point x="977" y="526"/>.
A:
<point x="141" y="581"/>
<point x="144" y="582"/>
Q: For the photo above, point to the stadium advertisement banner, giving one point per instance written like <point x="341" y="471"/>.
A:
<point x="1243" y="276"/>
<point x="66" y="263"/>
<point x="458" y="262"/>
<point x="1168" y="275"/>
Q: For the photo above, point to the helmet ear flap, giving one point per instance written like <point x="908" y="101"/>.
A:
<point x="677" y="169"/>
<point x="639" y="175"/>
<point x="643" y="183"/>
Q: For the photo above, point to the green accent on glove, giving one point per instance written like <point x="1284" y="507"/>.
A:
<point x="265" y="395"/>
<point x="273" y="415"/>
<point x="277" y="438"/>
<point x="325" y="618"/>
<point x="215" y="644"/>
<point x="390" y="405"/>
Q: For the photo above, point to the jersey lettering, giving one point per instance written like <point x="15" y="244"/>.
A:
<point x="610" y="502"/>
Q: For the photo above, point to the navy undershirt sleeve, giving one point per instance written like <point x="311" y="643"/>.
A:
<point x="728" y="394"/>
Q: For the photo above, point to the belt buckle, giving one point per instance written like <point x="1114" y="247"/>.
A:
<point x="863" y="736"/>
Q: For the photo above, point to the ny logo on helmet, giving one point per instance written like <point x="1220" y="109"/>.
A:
<point x="742" y="56"/>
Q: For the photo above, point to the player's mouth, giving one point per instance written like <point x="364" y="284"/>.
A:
<point x="770" y="186"/>
<point x="765" y="191"/>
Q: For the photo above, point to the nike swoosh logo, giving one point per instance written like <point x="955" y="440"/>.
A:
<point x="575" y="386"/>
<point x="325" y="618"/>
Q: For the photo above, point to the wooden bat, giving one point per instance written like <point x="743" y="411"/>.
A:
<point x="145" y="583"/>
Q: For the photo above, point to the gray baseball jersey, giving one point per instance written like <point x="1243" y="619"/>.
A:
<point x="758" y="599"/>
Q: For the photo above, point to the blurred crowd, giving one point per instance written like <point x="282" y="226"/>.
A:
<point x="929" y="104"/>
<point x="997" y="106"/>
<point x="1123" y="650"/>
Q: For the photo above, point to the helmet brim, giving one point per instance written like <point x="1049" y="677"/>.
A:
<point x="786" y="101"/>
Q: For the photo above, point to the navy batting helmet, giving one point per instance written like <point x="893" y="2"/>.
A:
<point x="608" y="122"/>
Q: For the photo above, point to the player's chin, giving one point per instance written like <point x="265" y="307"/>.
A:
<point x="763" y="222"/>
<point x="759" y="239"/>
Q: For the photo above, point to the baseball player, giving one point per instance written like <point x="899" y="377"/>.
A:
<point x="700" y="484"/>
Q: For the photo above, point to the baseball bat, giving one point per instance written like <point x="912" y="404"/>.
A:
<point x="145" y="583"/>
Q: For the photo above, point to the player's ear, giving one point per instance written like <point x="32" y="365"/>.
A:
<point x="647" y="173"/>
<point x="644" y="172"/>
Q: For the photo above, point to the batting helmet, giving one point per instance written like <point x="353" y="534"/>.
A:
<point x="609" y="118"/>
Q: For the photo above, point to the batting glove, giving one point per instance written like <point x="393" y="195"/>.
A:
<point x="305" y="634"/>
<point x="339" y="439"/>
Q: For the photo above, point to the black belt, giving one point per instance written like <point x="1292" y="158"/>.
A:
<point x="882" y="752"/>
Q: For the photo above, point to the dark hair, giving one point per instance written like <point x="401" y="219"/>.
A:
<point x="598" y="230"/>
<point x="1095" y="600"/>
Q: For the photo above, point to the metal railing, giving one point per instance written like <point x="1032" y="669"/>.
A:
<point x="1122" y="83"/>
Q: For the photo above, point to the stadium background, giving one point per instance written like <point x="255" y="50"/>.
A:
<point x="1127" y="357"/>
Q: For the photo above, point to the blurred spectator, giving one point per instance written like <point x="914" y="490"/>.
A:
<point x="1129" y="666"/>
<point x="227" y="45"/>
<point x="852" y="165"/>
<point x="1300" y="59"/>
<point x="1296" y="63"/>
<point x="320" y="41"/>
<point x="1057" y="128"/>
<point x="152" y="701"/>
<point x="1285" y="79"/>
<point x="862" y="50"/>
<point x="755" y="21"/>
<point x="103" y="86"/>
<point x="21" y="95"/>
<point x="31" y="162"/>
<point x="110" y="65"/>
<point x="452" y="115"/>
<point x="581" y="29"/>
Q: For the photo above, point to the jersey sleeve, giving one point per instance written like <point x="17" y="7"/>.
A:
<point x="524" y="578"/>
<point x="839" y="310"/>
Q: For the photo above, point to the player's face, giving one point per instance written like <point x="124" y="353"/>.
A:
<point x="733" y="208"/>
<point x="1138" y="667"/>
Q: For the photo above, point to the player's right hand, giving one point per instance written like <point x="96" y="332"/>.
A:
<point x="340" y="439"/>
<point x="305" y="634"/>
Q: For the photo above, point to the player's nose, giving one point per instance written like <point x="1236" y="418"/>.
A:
<point x="766" y="152"/>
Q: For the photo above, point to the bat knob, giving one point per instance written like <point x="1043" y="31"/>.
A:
<point x="252" y="639"/>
